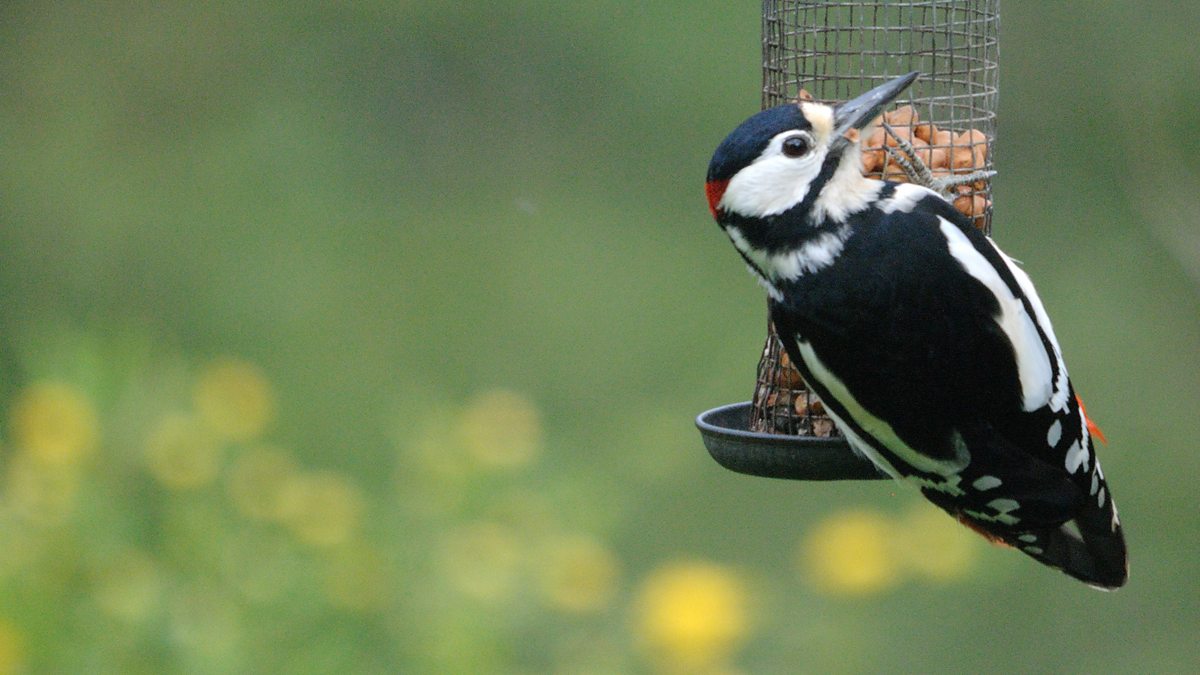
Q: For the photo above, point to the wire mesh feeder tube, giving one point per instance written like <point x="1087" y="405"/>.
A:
<point x="940" y="133"/>
<point x="834" y="51"/>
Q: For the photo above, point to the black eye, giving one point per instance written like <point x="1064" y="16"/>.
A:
<point x="795" y="146"/>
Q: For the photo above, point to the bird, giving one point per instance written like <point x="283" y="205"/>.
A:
<point x="928" y="345"/>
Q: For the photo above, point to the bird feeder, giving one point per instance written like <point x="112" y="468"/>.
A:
<point x="941" y="133"/>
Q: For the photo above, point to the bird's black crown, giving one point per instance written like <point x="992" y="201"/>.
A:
<point x="747" y="141"/>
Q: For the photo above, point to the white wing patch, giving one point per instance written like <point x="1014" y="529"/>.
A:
<point x="1076" y="457"/>
<point x="881" y="431"/>
<point x="1033" y="363"/>
<point x="1058" y="401"/>
<point x="986" y="483"/>
<point x="1054" y="435"/>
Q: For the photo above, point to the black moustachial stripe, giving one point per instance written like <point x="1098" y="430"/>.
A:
<point x="787" y="230"/>
<point x="828" y="167"/>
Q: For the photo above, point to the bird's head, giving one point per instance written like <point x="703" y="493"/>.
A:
<point x="789" y="155"/>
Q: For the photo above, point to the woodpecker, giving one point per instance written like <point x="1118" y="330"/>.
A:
<point x="928" y="345"/>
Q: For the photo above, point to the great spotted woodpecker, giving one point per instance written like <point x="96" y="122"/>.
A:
<point x="927" y="344"/>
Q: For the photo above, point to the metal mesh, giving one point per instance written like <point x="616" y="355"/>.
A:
<point x="837" y="50"/>
<point x="782" y="404"/>
<point x="834" y="51"/>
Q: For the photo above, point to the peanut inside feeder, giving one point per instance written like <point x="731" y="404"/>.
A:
<point x="905" y="150"/>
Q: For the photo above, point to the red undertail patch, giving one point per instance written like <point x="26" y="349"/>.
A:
<point x="978" y="529"/>
<point x="1093" y="429"/>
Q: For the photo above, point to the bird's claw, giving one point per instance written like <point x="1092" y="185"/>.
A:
<point x="905" y="156"/>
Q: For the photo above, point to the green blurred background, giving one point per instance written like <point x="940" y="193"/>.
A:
<point x="367" y="337"/>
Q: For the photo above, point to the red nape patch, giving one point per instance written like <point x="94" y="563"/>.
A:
<point x="1092" y="428"/>
<point x="714" y="190"/>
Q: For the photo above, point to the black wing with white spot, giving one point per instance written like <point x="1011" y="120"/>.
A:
<point x="933" y="351"/>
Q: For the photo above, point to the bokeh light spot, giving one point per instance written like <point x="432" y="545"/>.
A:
<point x="848" y="554"/>
<point x="481" y="560"/>
<point x="578" y="575"/>
<point x="129" y="587"/>
<point x="692" y="616"/>
<point x="931" y="544"/>
<point x="257" y="482"/>
<point x="12" y="648"/>
<point x="54" y="423"/>
<point x="501" y="428"/>
<point x="234" y="398"/>
<point x="321" y="508"/>
<point x="182" y="453"/>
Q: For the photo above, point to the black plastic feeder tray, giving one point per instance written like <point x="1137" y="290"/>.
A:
<point x="726" y="434"/>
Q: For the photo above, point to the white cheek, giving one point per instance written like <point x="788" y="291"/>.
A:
<point x="771" y="185"/>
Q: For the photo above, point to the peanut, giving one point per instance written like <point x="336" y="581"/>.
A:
<point x="970" y="150"/>
<point x="904" y="116"/>
<point x="789" y="377"/>
<point x="974" y="206"/>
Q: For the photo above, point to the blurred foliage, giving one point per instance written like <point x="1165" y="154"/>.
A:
<point x="367" y="337"/>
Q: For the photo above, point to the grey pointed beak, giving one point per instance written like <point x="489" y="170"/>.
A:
<point x="858" y="112"/>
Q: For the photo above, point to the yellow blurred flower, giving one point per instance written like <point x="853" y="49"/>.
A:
<point x="12" y="648"/>
<point x="481" y="560"/>
<point x="692" y="616"/>
<point x="322" y="508"/>
<point x="501" y="428"/>
<point x="357" y="579"/>
<point x="182" y="453"/>
<point x="932" y="544"/>
<point x="129" y="587"/>
<point x="54" y="423"/>
<point x="848" y="553"/>
<point x="234" y="398"/>
<point x="257" y="482"/>
<point x="578" y="574"/>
